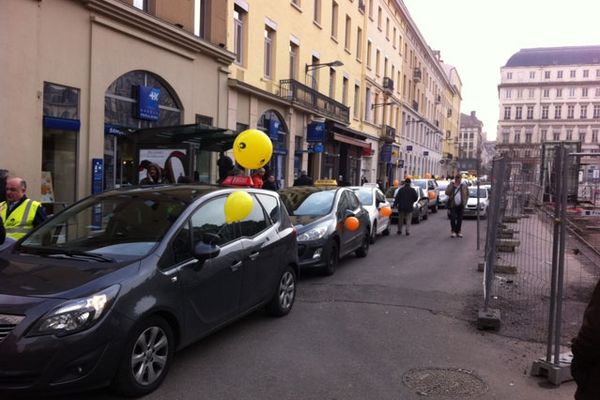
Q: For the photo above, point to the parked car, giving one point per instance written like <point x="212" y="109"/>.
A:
<point x="108" y="289"/>
<point x="420" y="207"/>
<point x="373" y="200"/>
<point x="484" y="201"/>
<point x="442" y="196"/>
<point x="430" y="187"/>
<point x="319" y="214"/>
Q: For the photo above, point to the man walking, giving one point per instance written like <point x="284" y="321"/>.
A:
<point x="458" y="195"/>
<point x="404" y="202"/>
<point x="18" y="212"/>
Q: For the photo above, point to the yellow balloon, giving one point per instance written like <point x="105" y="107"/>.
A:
<point x="237" y="206"/>
<point x="252" y="149"/>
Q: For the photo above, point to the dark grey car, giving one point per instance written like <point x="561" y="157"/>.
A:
<point x="108" y="289"/>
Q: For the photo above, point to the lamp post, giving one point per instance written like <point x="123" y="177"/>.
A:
<point x="312" y="67"/>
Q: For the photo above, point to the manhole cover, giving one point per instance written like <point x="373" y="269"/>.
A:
<point x="444" y="381"/>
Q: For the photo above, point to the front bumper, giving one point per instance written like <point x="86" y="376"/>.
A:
<point x="312" y="254"/>
<point x="472" y="212"/>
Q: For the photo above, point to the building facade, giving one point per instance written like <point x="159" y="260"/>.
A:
<point x="548" y="95"/>
<point x="470" y="142"/>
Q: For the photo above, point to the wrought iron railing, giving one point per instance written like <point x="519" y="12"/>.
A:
<point x="306" y="96"/>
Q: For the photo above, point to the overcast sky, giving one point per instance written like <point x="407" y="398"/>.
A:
<point x="479" y="36"/>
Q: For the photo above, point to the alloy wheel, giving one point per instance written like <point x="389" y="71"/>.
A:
<point x="149" y="355"/>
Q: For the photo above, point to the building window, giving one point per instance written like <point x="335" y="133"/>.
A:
<point x="546" y="74"/>
<point x="544" y="112"/>
<point x="332" y="83"/>
<point x="334" y="20"/>
<point x="531" y="74"/>
<point x="358" y="44"/>
<point x="505" y="136"/>
<point x="528" y="136"/>
<point x="368" y="105"/>
<point x="509" y="75"/>
<point x="345" y="91"/>
<point x="519" y="112"/>
<point x="559" y="74"/>
<point x="569" y="134"/>
<point x="586" y="73"/>
<point x="348" y="33"/>
<point x="584" y="92"/>
<point x="387" y="29"/>
<point x="557" y="112"/>
<point x="595" y="136"/>
<point x="583" y="111"/>
<point x="531" y="93"/>
<point x="597" y="92"/>
<point x="239" y="19"/>
<point x="529" y="112"/>
<point x="269" y="42"/>
<point x="317" y="11"/>
<point x="517" y="136"/>
<point x="519" y="93"/>
<point x="377" y="62"/>
<point x="508" y="94"/>
<point x="199" y="17"/>
<point x="294" y="61"/>
<point x="371" y="8"/>
<point x="379" y="18"/>
<point x="570" y="111"/>
<point x="356" y="101"/>
<point x="141" y="5"/>
<point x="558" y="92"/>
<point x="385" y="66"/>
<point x="556" y="136"/>
<point x="572" y="92"/>
<point x="394" y="37"/>
<point x="598" y="73"/>
<point x="546" y="93"/>
<point x="573" y="73"/>
<point x="596" y="110"/>
<point x="507" y="112"/>
<point x="544" y="134"/>
<point x="582" y="135"/>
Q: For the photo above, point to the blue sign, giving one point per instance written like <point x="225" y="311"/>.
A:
<point x="97" y="175"/>
<point x="409" y="148"/>
<point x="318" y="148"/>
<point x="273" y="130"/>
<point x="148" y="98"/>
<point x="114" y="130"/>
<point x="401" y="163"/>
<point x="386" y="153"/>
<point x="315" y="132"/>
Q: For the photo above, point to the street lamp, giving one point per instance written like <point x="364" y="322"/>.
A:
<point x="312" y="67"/>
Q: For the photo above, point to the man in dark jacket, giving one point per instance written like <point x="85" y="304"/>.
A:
<point x="458" y="195"/>
<point x="303" y="180"/>
<point x="404" y="201"/>
<point x="585" y="366"/>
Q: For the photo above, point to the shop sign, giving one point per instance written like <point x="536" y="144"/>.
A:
<point x="315" y="132"/>
<point x="386" y="153"/>
<point x="273" y="130"/>
<point x="114" y="130"/>
<point x="400" y="163"/>
<point x="409" y="148"/>
<point x="148" y="98"/>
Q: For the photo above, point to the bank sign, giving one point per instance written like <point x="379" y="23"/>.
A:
<point x="148" y="98"/>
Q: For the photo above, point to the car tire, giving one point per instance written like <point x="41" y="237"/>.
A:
<point x="373" y="237"/>
<point x="149" y="347"/>
<point x="426" y="216"/>
<point x="386" y="232"/>
<point x="434" y="209"/>
<point x="363" y="250"/>
<point x="283" y="299"/>
<point x="333" y="258"/>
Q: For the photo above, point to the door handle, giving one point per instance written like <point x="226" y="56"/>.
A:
<point x="254" y="255"/>
<point x="235" y="265"/>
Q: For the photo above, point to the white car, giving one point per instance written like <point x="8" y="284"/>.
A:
<point x="442" y="196"/>
<point x="484" y="202"/>
<point x="373" y="200"/>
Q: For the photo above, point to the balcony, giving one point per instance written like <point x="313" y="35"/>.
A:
<point x="388" y="85"/>
<point x="316" y="102"/>
<point x="389" y="134"/>
<point x="417" y="75"/>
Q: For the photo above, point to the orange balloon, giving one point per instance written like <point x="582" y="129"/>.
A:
<point x="396" y="183"/>
<point x="351" y="223"/>
<point x="385" y="211"/>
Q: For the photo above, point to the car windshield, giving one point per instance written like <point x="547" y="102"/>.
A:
<point x="421" y="184"/>
<point x="365" y="196"/>
<point x="120" y="224"/>
<point x="442" y="185"/>
<point x="308" y="202"/>
<point x="482" y="193"/>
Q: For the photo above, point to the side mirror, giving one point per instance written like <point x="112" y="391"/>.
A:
<point x="204" y="251"/>
<point x="348" y="213"/>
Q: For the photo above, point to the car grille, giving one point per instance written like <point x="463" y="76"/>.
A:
<point x="7" y="324"/>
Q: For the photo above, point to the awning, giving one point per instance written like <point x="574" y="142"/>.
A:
<point x="350" y="140"/>
<point x="207" y="137"/>
<point x="335" y="127"/>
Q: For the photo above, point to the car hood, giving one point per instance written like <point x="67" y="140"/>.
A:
<point x="473" y="201"/>
<point x="303" y="223"/>
<point x="35" y="276"/>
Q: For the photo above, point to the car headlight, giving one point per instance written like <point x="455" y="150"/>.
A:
<point x="313" y="234"/>
<point x="75" y="315"/>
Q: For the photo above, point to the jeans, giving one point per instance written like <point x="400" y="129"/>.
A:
<point x="456" y="217"/>
<point x="401" y="217"/>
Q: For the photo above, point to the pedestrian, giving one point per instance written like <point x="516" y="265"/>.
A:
<point x="363" y="180"/>
<point x="270" y="183"/>
<point x="225" y="165"/>
<point x="19" y="213"/>
<point x="404" y="201"/>
<point x="257" y="178"/>
<point x="458" y="195"/>
<point x="303" y="180"/>
<point x="153" y="175"/>
<point x="585" y="366"/>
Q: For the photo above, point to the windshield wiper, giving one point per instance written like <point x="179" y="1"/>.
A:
<point x="64" y="253"/>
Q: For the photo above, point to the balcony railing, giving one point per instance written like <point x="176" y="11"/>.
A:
<point x="296" y="92"/>
<point x="390" y="134"/>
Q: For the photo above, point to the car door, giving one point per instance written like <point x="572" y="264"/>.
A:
<point x="262" y="251"/>
<point x="362" y="215"/>
<point x="380" y="200"/>
<point x="346" y="235"/>
<point x="211" y="289"/>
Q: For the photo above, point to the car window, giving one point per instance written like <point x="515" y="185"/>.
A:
<point x="482" y="193"/>
<point x="308" y="203"/>
<point x="209" y="224"/>
<point x="379" y="196"/>
<point x="255" y="222"/>
<point x="343" y="203"/>
<point x="271" y="206"/>
<point x="421" y="184"/>
<point x="353" y="201"/>
<point x="365" y="196"/>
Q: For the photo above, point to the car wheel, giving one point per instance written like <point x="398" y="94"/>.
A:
<point x="386" y="231"/>
<point x="434" y="209"/>
<point x="146" y="359"/>
<point x="426" y="215"/>
<point x="283" y="299"/>
<point x="363" y="250"/>
<point x="373" y="237"/>
<point x="333" y="257"/>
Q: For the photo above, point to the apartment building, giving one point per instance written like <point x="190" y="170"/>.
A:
<point x="548" y="95"/>
<point x="470" y="142"/>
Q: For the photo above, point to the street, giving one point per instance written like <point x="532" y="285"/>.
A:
<point x="411" y="304"/>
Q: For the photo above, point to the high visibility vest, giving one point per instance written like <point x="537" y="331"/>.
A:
<point x="20" y="220"/>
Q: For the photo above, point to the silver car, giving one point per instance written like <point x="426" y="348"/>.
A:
<point x="373" y="200"/>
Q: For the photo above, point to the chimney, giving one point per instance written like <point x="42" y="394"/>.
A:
<point x="473" y="114"/>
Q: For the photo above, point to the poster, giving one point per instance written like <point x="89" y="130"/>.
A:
<point x="47" y="188"/>
<point x="162" y="165"/>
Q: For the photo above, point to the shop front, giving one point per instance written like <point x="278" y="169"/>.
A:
<point x="343" y="152"/>
<point x="272" y="123"/>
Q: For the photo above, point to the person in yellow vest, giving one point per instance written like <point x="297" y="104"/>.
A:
<point x="18" y="212"/>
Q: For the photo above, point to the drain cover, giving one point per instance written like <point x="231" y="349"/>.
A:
<point x="444" y="381"/>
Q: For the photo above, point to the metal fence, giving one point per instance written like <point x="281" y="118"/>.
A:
<point x="541" y="252"/>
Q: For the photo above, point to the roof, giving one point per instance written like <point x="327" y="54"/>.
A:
<point x="576" y="55"/>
